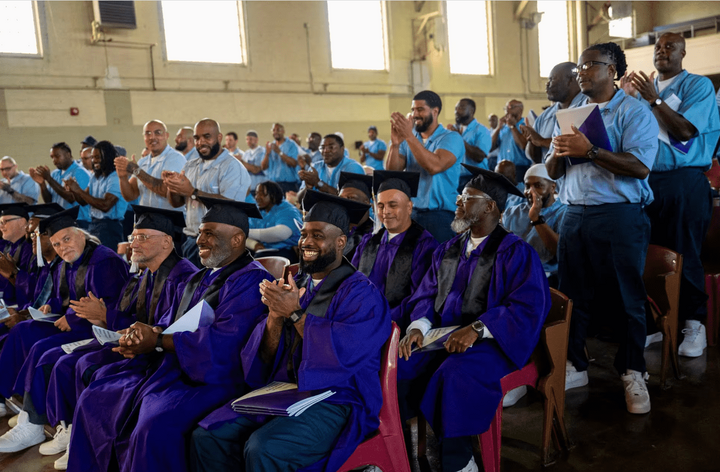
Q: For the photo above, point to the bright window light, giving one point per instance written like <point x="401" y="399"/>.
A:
<point x="189" y="25"/>
<point x="357" y="35"/>
<point x="468" y="41"/>
<point x="621" y="28"/>
<point x="18" y="32"/>
<point x="553" y="35"/>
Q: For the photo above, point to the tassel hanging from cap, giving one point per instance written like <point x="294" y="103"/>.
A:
<point x="38" y="251"/>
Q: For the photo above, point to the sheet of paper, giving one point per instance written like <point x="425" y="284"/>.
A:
<point x="70" y="347"/>
<point x="568" y="117"/>
<point x="38" y="315"/>
<point x="272" y="387"/>
<point x="4" y="313"/>
<point x="105" y="336"/>
<point x="530" y="119"/>
<point x="435" y="335"/>
<point x="683" y="146"/>
<point x="199" y="316"/>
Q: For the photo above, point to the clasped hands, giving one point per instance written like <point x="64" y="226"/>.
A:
<point x="459" y="341"/>
<point x="281" y="299"/>
<point x="91" y="308"/>
<point x="177" y="183"/>
<point x="139" y="338"/>
<point x="571" y="145"/>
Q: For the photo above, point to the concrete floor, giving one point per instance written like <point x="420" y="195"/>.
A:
<point x="681" y="433"/>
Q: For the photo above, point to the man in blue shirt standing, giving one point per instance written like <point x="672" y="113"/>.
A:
<point x="476" y="136"/>
<point x="509" y="141"/>
<point x="685" y="108"/>
<point x="280" y="160"/>
<point x="17" y="186"/>
<point x="562" y="89"/>
<point x="436" y="153"/>
<point x="325" y="175"/>
<point x="61" y="156"/>
<point x="252" y="160"/>
<point x="372" y="152"/>
<point x="605" y="232"/>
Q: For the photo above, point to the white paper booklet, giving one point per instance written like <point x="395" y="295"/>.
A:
<point x="199" y="316"/>
<point x="573" y="117"/>
<point x="70" y="347"/>
<point x="38" y="315"/>
<point x="4" y="313"/>
<point x="278" y="399"/>
<point x="435" y="338"/>
<point x="105" y="336"/>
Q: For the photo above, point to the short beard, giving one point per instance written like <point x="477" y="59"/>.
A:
<point x="213" y="152"/>
<point x="462" y="120"/>
<point x="180" y="147"/>
<point x="422" y="127"/>
<point x="321" y="263"/>
<point x="460" y="225"/>
<point x="98" y="172"/>
<point x="220" y="253"/>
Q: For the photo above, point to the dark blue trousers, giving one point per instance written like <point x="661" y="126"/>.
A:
<point x="109" y="232"/>
<point x="190" y="251"/>
<point x="680" y="217"/>
<point x="601" y="255"/>
<point x="437" y="222"/>
<point x="278" y="444"/>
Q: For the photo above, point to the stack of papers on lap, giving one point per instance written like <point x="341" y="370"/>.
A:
<point x="105" y="336"/>
<point x="70" y="347"/>
<point x="38" y="315"/>
<point x="4" y="313"/>
<point x="278" y="399"/>
<point x="199" y="316"/>
<point x="588" y="120"/>
<point x="435" y="339"/>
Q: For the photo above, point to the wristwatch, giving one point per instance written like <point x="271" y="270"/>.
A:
<point x="296" y="315"/>
<point x="158" y="343"/>
<point x="539" y="221"/>
<point x="136" y="172"/>
<point x="194" y="195"/>
<point x="592" y="153"/>
<point x="479" y="327"/>
<point x="320" y="184"/>
<point x="658" y="101"/>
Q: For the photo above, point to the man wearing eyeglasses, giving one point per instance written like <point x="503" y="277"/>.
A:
<point x="685" y="107"/>
<point x="325" y="175"/>
<point x="16" y="249"/>
<point x="16" y="185"/>
<point x="605" y="233"/>
<point x="145" y="176"/>
<point x="508" y="139"/>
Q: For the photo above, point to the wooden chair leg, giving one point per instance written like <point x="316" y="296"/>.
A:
<point x="421" y="436"/>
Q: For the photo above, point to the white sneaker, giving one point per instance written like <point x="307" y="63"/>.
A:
<point x="471" y="467"/>
<point x="62" y="462"/>
<point x="514" y="395"/>
<point x="22" y="436"/>
<point x="12" y="422"/>
<point x="653" y="338"/>
<point x="637" y="397"/>
<point x="695" y="340"/>
<point x="3" y="409"/>
<point x="573" y="378"/>
<point x="58" y="443"/>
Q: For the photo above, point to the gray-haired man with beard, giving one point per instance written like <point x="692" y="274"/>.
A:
<point x="216" y="174"/>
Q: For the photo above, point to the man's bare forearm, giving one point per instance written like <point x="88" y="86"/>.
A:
<point x="271" y="339"/>
<point x="155" y="185"/>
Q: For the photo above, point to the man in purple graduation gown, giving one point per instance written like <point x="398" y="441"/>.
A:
<point x="87" y="267"/>
<point x="356" y="187"/>
<point x="490" y="283"/>
<point x="145" y="297"/>
<point x="137" y="413"/>
<point x="397" y="257"/>
<point x="17" y="252"/>
<point x="324" y="332"/>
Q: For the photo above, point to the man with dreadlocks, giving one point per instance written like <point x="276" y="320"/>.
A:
<point x="605" y="233"/>
<point x="491" y="283"/>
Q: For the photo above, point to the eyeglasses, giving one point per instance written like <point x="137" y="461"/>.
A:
<point x="4" y="222"/>
<point x="465" y="198"/>
<point x="590" y="64"/>
<point x="157" y="132"/>
<point x="141" y="238"/>
<point x="6" y="169"/>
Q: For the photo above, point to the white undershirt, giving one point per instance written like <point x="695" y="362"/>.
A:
<point x="473" y="243"/>
<point x="391" y="235"/>
<point x="663" y="84"/>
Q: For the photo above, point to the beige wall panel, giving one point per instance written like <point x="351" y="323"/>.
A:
<point x="40" y="108"/>
<point x="703" y="56"/>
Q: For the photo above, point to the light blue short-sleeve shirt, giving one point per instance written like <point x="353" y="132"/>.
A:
<point x="508" y="148"/>
<point x="479" y="136"/>
<point x="633" y="129"/>
<point x="255" y="157"/>
<point x="697" y="105"/>
<point x="21" y="183"/>
<point x="436" y="192"/>
<point x="332" y="176"/>
<point x="81" y="177"/>
<point x="170" y="160"/>
<point x="545" y="123"/>
<point x="223" y="175"/>
<point x="98" y="188"/>
<point x="277" y="170"/>
<point x="374" y="147"/>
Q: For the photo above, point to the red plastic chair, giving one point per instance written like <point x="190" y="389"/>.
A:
<point x="386" y="449"/>
<point x="713" y="175"/>
<point x="545" y="373"/>
<point x="274" y="264"/>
